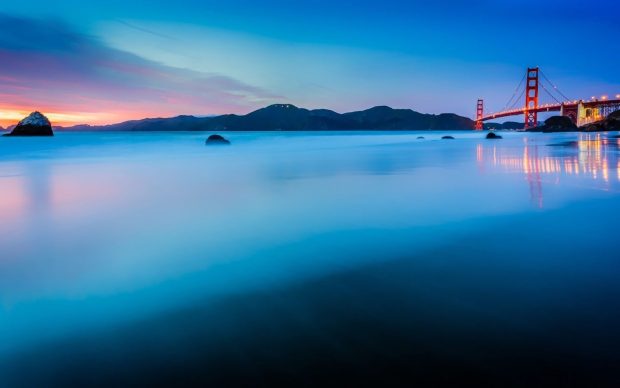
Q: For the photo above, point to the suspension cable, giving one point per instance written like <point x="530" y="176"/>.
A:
<point x="515" y="92"/>
<point x="514" y="104"/>
<point x="550" y="95"/>
<point x="554" y="87"/>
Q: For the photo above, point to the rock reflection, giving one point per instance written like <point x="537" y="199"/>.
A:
<point x="26" y="194"/>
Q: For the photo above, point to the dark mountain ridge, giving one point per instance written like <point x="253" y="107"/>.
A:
<point x="286" y="117"/>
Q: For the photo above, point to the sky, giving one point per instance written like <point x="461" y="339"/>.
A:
<point x="99" y="62"/>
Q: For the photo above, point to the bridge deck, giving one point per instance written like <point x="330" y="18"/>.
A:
<point x="550" y="108"/>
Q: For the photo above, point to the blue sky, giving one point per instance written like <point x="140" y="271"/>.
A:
<point x="108" y="61"/>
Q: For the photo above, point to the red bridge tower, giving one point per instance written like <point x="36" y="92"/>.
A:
<point x="531" y="98"/>
<point x="479" y="114"/>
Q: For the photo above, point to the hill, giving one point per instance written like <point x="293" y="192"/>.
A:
<point x="286" y="117"/>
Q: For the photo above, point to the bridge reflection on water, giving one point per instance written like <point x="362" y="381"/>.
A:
<point x="593" y="157"/>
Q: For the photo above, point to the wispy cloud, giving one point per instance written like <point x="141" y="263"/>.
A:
<point x="46" y="65"/>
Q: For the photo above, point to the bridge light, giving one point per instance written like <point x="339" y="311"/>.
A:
<point x="603" y="98"/>
<point x="617" y="95"/>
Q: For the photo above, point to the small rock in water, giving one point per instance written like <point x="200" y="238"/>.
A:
<point x="420" y="137"/>
<point x="493" y="135"/>
<point x="217" y="140"/>
<point x="36" y="124"/>
<point x="448" y="138"/>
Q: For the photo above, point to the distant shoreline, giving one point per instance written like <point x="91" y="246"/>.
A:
<point x="287" y="118"/>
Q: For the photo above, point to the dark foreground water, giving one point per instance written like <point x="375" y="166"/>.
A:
<point x="310" y="259"/>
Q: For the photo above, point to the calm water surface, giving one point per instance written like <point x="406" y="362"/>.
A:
<point x="309" y="258"/>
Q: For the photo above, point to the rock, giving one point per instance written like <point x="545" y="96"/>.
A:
<point x="493" y="135"/>
<point x="448" y="138"/>
<point x="594" y="128"/>
<point x="612" y="122"/>
<point x="36" y="124"/>
<point x="556" y="124"/>
<point x="559" y="124"/>
<point x="420" y="137"/>
<point x="216" y="140"/>
<point x="614" y="116"/>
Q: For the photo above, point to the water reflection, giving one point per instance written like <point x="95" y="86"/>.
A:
<point x="26" y="197"/>
<point x="593" y="157"/>
<point x="101" y="233"/>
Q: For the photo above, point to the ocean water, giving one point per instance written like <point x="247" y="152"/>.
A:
<point x="309" y="259"/>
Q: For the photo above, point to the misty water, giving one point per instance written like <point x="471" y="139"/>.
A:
<point x="291" y="257"/>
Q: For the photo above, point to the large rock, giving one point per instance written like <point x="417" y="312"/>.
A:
<point x="559" y="124"/>
<point x="36" y="124"/>
<point x="612" y="122"/>
<point x="594" y="127"/>
<point x="493" y="135"/>
<point x="216" y="140"/>
<point x="556" y="124"/>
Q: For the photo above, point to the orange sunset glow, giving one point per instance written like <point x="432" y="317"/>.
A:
<point x="11" y="116"/>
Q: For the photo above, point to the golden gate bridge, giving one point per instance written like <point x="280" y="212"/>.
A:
<point x="581" y="112"/>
